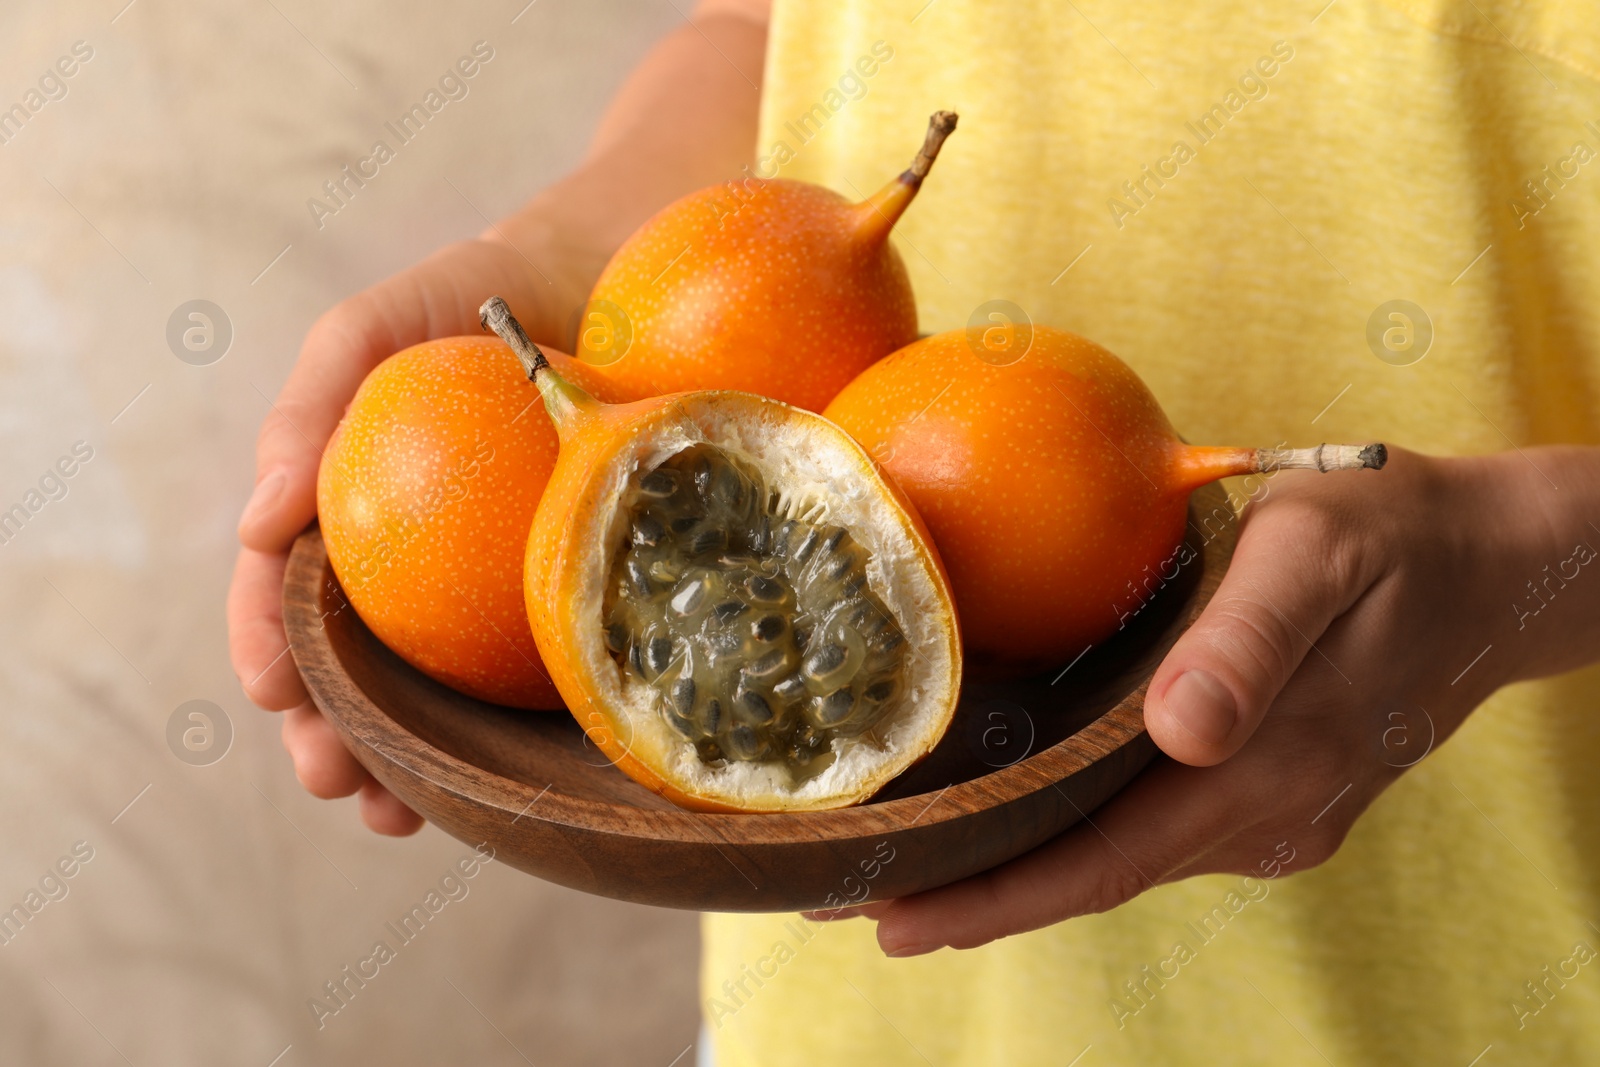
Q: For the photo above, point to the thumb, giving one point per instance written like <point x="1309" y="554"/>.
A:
<point x="1288" y="581"/>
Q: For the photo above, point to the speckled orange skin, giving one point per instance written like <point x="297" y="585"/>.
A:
<point x="1055" y="488"/>
<point x="592" y="436"/>
<point x="780" y="288"/>
<point x="425" y="496"/>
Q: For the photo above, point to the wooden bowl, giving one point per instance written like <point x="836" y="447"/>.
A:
<point x="1022" y="762"/>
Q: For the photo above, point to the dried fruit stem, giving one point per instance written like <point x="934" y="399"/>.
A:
<point x="1323" y="458"/>
<point x="1194" y="466"/>
<point x="564" y="401"/>
<point x="495" y="314"/>
<point x="940" y="125"/>
<point x="883" y="209"/>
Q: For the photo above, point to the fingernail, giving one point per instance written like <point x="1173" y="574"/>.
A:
<point x="1203" y="706"/>
<point x="916" y="948"/>
<point x="268" y="490"/>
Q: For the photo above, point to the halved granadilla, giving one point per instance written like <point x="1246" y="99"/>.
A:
<point x="742" y="612"/>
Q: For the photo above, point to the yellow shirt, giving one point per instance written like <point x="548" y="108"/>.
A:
<point x="1227" y="195"/>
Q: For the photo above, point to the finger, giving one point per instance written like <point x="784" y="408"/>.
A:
<point x="1289" y="579"/>
<point x="324" y="766"/>
<point x="438" y="297"/>
<point x="1239" y="854"/>
<point x="341" y="348"/>
<point x="1169" y="815"/>
<point x="385" y="813"/>
<point x="257" y="644"/>
<point x="874" y="910"/>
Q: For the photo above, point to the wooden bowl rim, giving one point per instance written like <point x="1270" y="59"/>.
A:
<point x="388" y="740"/>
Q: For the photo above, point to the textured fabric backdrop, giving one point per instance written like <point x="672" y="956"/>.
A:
<point x="173" y="164"/>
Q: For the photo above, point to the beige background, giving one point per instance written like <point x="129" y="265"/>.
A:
<point x="178" y="166"/>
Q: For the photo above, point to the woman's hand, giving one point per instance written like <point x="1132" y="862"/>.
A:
<point x="689" y="108"/>
<point x="438" y="297"/>
<point x="1361" y="621"/>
